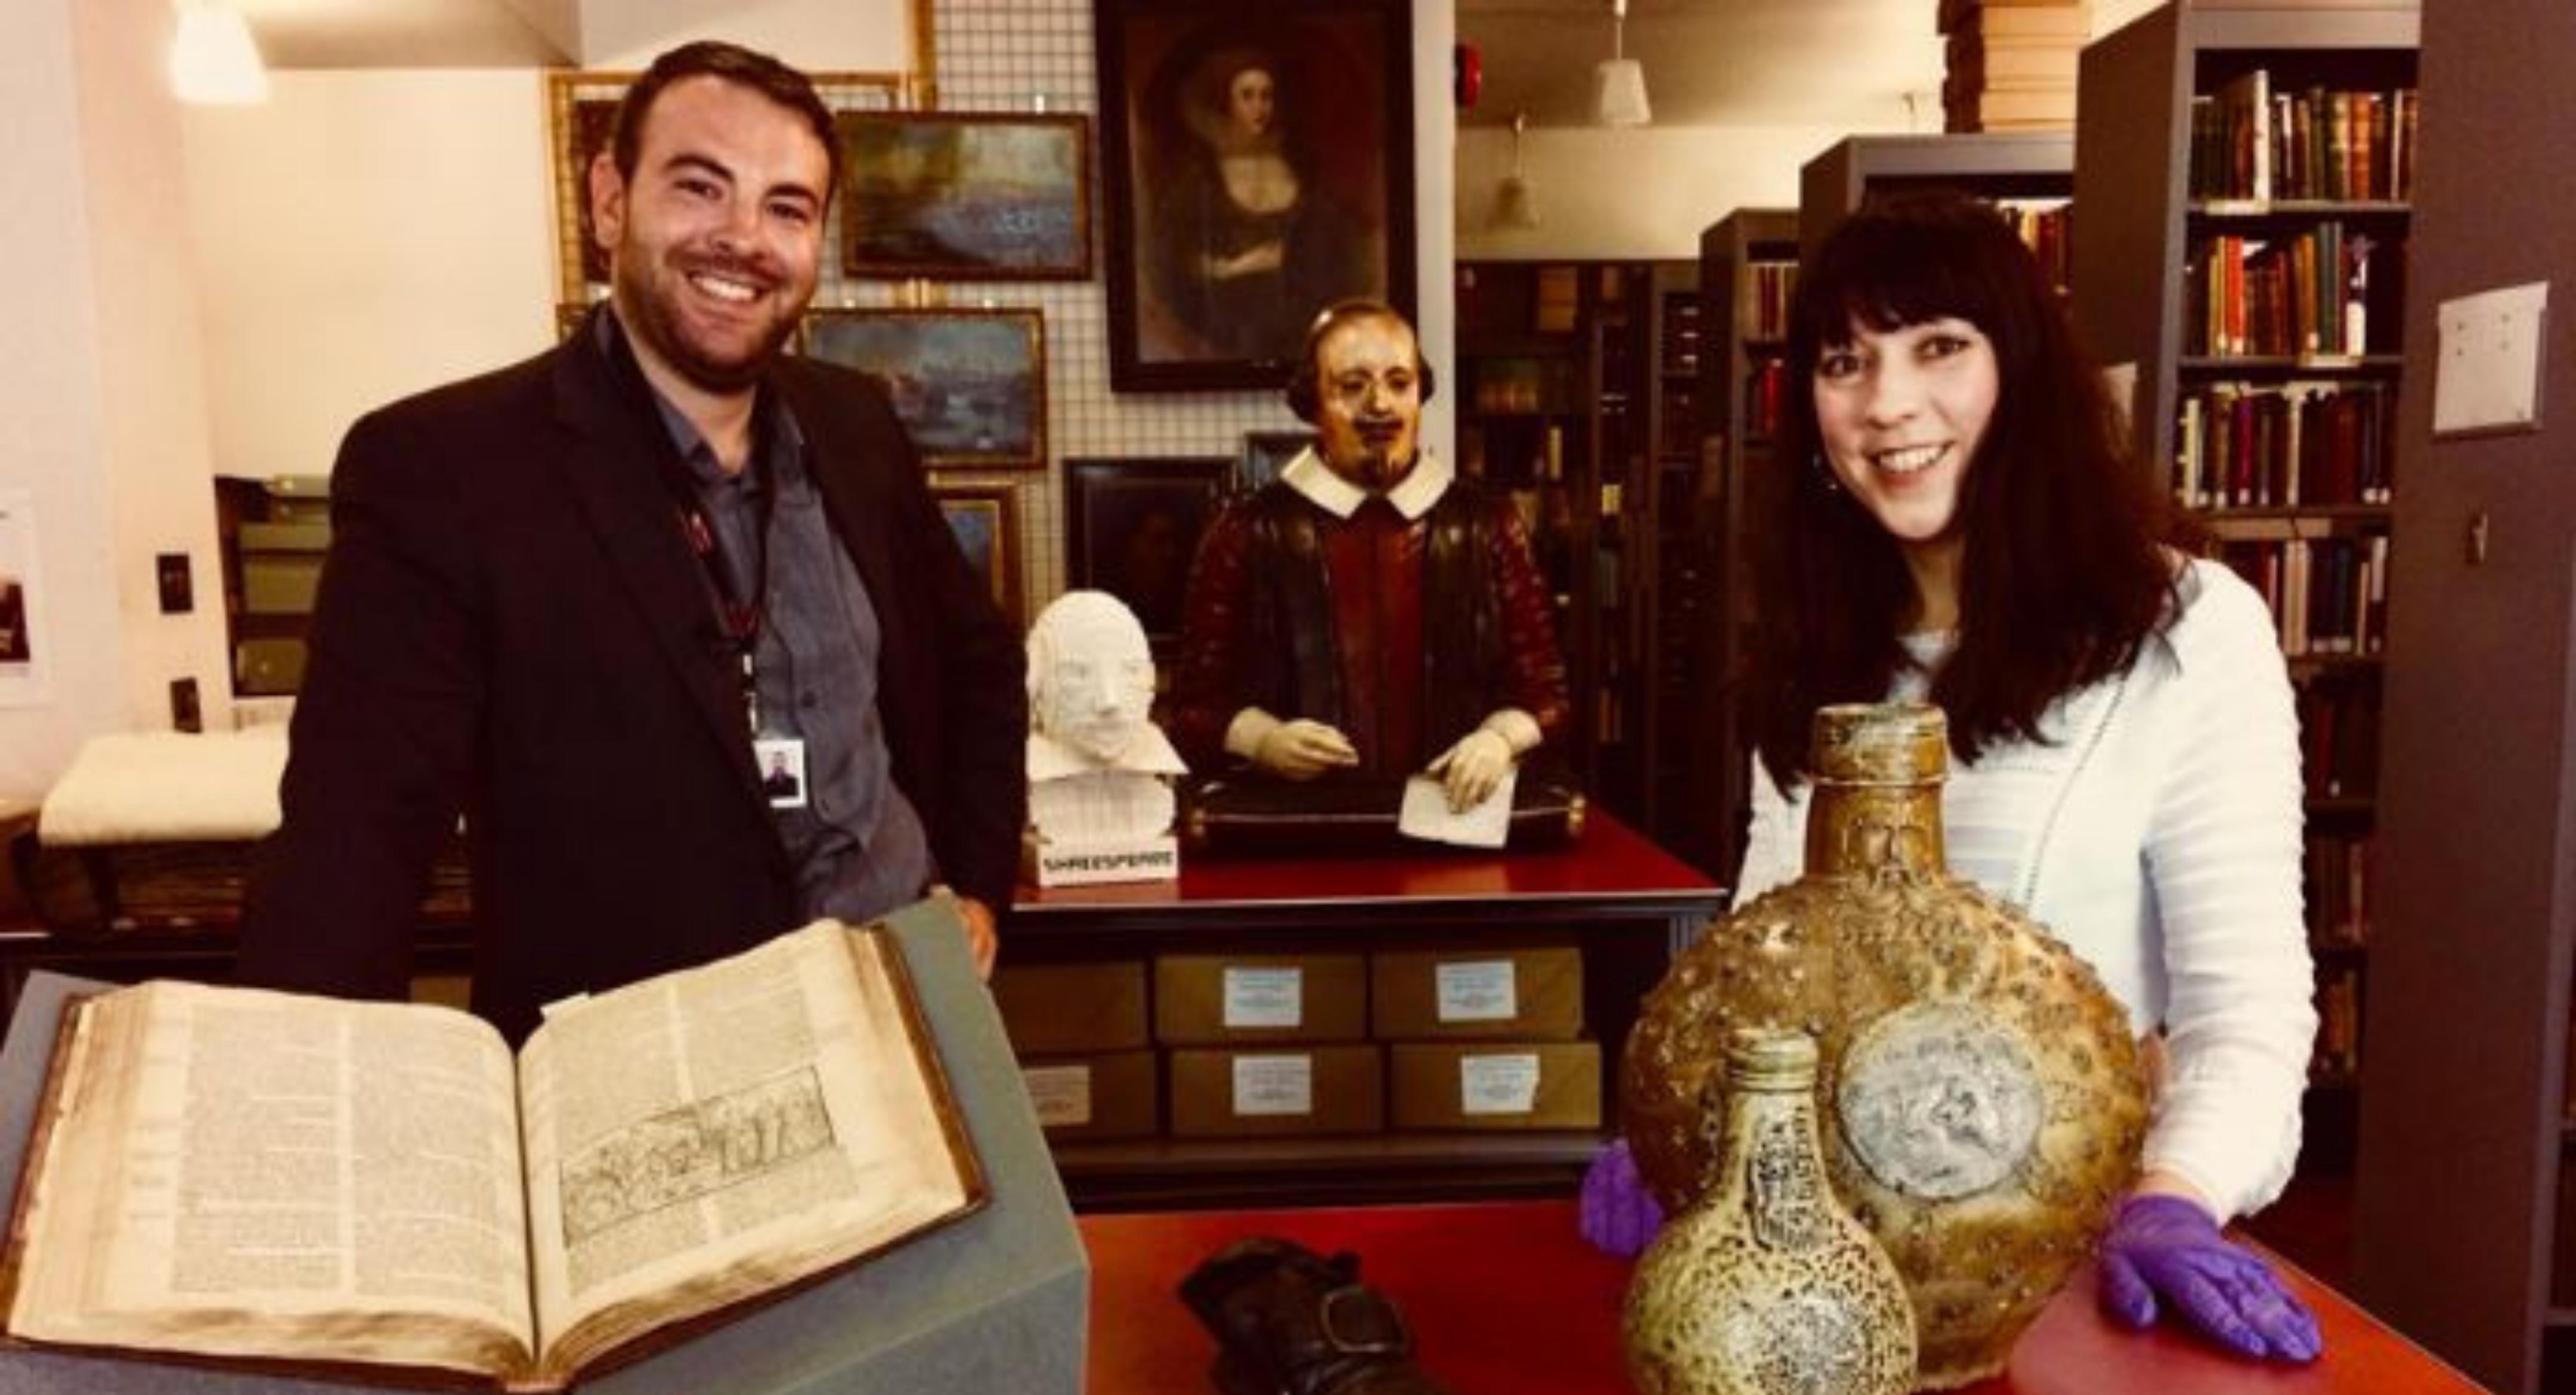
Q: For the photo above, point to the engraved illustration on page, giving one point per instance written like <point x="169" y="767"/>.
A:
<point x="695" y="1151"/>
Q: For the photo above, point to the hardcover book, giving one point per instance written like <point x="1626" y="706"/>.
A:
<point x="381" y="1191"/>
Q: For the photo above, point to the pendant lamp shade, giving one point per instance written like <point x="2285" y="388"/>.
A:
<point x="1619" y="82"/>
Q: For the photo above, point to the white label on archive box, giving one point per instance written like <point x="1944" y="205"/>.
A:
<point x="1480" y="990"/>
<point x="1061" y="1094"/>
<point x="1274" y="1085"/>
<point x="1257" y="997"/>
<point x="1506" y="1084"/>
<point x="2487" y="374"/>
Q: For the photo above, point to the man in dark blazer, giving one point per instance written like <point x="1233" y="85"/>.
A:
<point x="568" y="598"/>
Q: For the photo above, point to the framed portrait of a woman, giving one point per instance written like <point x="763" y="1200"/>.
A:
<point x="1258" y="165"/>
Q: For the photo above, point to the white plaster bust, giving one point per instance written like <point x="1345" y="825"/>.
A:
<point x="1098" y="766"/>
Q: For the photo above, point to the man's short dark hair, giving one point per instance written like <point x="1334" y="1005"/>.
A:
<point x="731" y="63"/>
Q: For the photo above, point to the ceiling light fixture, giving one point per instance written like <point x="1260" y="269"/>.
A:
<point x="1619" y="83"/>
<point x="1516" y="204"/>
<point x="212" y="59"/>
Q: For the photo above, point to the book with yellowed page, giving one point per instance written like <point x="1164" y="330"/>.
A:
<point x="383" y="1191"/>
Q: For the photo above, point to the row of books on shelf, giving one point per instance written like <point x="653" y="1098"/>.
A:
<point x="2338" y="872"/>
<point x="2049" y="231"/>
<point x="2251" y="144"/>
<point x="2321" y="293"/>
<point x="2338" y="1049"/>
<point x="2328" y="595"/>
<point x="2339" y="739"/>
<point x="1767" y="291"/>
<point x="2301" y="444"/>
<point x="1681" y="415"/>
<point x="1765" y="394"/>
<point x="1682" y="333"/>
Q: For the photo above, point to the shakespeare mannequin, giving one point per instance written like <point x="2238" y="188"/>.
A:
<point x="1368" y="612"/>
<point x="1100" y="798"/>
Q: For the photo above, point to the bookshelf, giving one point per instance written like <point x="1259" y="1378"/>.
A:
<point x="1680" y="667"/>
<point x="1748" y="269"/>
<point x="2245" y="224"/>
<point x="2026" y="172"/>
<point x="2465" y="1196"/>
<point x="1563" y="405"/>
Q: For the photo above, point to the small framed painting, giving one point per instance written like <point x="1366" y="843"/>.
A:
<point x="986" y="521"/>
<point x="970" y="385"/>
<point x="1132" y="528"/>
<point x="965" y="196"/>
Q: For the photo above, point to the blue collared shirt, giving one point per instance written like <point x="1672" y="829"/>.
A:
<point x="858" y="846"/>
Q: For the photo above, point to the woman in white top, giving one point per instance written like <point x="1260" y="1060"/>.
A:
<point x="1963" y="524"/>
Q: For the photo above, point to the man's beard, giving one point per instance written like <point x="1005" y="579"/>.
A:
<point x="1383" y="457"/>
<point x="649" y="314"/>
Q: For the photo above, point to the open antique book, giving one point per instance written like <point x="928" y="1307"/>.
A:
<point x="381" y="1188"/>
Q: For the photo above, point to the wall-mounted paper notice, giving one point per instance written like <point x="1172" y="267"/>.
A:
<point x="25" y="642"/>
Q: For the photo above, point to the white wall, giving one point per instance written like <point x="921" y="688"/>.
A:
<point x="1648" y="193"/>
<point x="51" y="417"/>
<point x="102" y="404"/>
<point x="1627" y="194"/>
<point x="151" y="360"/>
<point x="872" y="36"/>
<point x="364" y="236"/>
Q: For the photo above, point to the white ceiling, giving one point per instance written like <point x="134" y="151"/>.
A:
<point x="1708" y="62"/>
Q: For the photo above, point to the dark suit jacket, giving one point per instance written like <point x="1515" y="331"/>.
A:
<point x="511" y="624"/>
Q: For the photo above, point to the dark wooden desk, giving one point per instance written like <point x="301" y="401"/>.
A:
<point x="1629" y="904"/>
<point x="1505" y="1298"/>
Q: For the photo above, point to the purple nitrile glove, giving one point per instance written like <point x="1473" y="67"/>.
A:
<point x="2166" y="1246"/>
<point x="1619" y="1215"/>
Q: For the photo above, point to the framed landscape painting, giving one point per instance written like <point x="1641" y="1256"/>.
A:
<point x="1257" y="163"/>
<point x="973" y="196"/>
<point x="970" y="385"/>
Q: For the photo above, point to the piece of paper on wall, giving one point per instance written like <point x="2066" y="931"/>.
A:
<point x="24" y="638"/>
<point x="2487" y="373"/>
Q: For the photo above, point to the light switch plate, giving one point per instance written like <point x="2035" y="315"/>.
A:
<point x="2487" y="377"/>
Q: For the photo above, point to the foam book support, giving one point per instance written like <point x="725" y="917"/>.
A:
<point x="997" y="1302"/>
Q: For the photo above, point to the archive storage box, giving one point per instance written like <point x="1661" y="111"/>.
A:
<point x="1240" y="999"/>
<point x="1496" y="1085"/>
<point x="1277" y="1090"/>
<point x="1095" y="1096"/>
<point x="1065" y="1009"/>
<point x="1531" y="991"/>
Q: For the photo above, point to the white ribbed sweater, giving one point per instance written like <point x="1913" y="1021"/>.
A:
<point x="2157" y="833"/>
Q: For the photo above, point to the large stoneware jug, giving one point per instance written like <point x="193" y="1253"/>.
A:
<point x="1982" y="1097"/>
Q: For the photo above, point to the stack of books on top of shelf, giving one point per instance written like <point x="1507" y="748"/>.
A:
<point x="2012" y="63"/>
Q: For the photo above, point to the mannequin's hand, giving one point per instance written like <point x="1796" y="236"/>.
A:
<point x="1471" y="770"/>
<point x="1302" y="750"/>
<point x="2167" y="1247"/>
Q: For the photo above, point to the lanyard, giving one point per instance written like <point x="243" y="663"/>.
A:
<point x="740" y="616"/>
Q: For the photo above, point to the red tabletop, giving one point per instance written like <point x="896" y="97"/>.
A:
<point x="1610" y="862"/>
<point x="1505" y="1298"/>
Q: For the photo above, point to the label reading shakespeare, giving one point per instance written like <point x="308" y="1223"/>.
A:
<point x="1264" y="997"/>
<point x="1062" y="1094"/>
<point x="1506" y="1084"/>
<point x="1274" y="1085"/>
<point x="1478" y="990"/>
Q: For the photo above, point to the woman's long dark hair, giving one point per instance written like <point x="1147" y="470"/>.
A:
<point x="2063" y="577"/>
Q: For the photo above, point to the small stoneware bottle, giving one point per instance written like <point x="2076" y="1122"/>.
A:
<point x="1766" y="1285"/>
